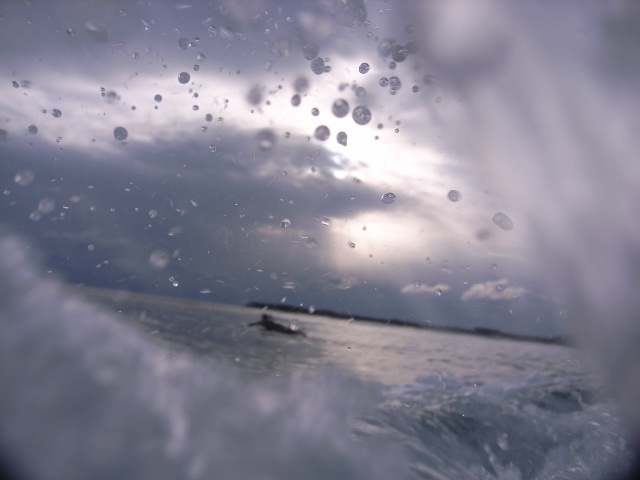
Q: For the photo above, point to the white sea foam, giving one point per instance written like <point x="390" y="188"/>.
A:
<point x="549" y="103"/>
<point x="86" y="396"/>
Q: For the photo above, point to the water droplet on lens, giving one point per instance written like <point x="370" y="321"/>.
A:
<point x="383" y="82"/>
<point x="340" y="108"/>
<point x="364" y="68"/>
<point x="285" y="223"/>
<point x="310" y="51"/>
<point x="454" y="195"/>
<point x="503" y="221"/>
<point x="15" y="84"/>
<point x="385" y="47"/>
<point x="315" y="112"/>
<point x="184" y="43"/>
<point x="212" y="148"/>
<point x="360" y="92"/>
<point x="295" y="100"/>
<point x="23" y="178"/>
<point x="153" y="213"/>
<point x="438" y="292"/>
<point x="388" y="198"/>
<point x="409" y="29"/>
<point x="415" y="89"/>
<point x="159" y="259"/>
<point x="342" y="138"/>
<point x="120" y="133"/>
<point x="184" y="77"/>
<point x="394" y="83"/>
<point x="266" y="139"/>
<point x="46" y="205"/>
<point x="317" y="65"/>
<point x="56" y="113"/>
<point x="301" y="85"/>
<point x="361" y="115"/>
<point x="322" y="133"/>
<point x="32" y="129"/>
<point x="351" y="245"/>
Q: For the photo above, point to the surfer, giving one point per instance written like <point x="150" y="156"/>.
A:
<point x="268" y="324"/>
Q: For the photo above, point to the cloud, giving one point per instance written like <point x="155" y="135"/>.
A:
<point x="493" y="290"/>
<point x="420" y="288"/>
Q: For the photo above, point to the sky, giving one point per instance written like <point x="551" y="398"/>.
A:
<point x="224" y="190"/>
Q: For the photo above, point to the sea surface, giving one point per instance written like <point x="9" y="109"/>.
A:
<point x="453" y="405"/>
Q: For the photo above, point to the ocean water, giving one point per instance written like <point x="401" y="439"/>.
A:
<point x="99" y="384"/>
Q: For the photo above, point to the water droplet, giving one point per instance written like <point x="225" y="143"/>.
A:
<point x="71" y="32"/>
<point x="322" y="133"/>
<point x="342" y="138"/>
<point x="301" y="85"/>
<point x="340" y="108"/>
<point x="400" y="53"/>
<point x="159" y="259"/>
<point x="503" y="441"/>
<point x="361" y="115"/>
<point x="317" y="65"/>
<point x="32" y="129"/>
<point x="388" y="198"/>
<point x="310" y="51"/>
<point x="295" y="100"/>
<point x="208" y="117"/>
<point x="385" y="47"/>
<point x="46" y="205"/>
<point x="392" y="65"/>
<point x="494" y="266"/>
<point x="285" y="223"/>
<point x="415" y="89"/>
<point x="56" y="113"/>
<point x="15" y="84"/>
<point x="360" y="92"/>
<point x="438" y="292"/>
<point x="184" y="77"/>
<point x="196" y="68"/>
<point x="383" y="82"/>
<point x="503" y="221"/>
<point x="212" y="148"/>
<point x="315" y="112"/>
<point x="184" y="43"/>
<point x="395" y="83"/>
<point x="364" y="68"/>
<point x="120" y="133"/>
<point x="351" y="245"/>
<point x="23" y="178"/>
<point x="266" y="139"/>
<point x="410" y="29"/>
<point x="153" y="213"/>
<point x="454" y="195"/>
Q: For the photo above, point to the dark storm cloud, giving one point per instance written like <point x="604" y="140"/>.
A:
<point x="192" y="207"/>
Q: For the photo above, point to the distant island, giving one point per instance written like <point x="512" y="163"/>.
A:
<point x="485" y="332"/>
